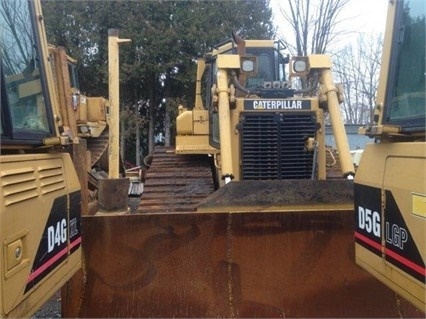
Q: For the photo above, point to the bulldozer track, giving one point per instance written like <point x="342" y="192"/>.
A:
<point x="176" y="183"/>
<point x="97" y="146"/>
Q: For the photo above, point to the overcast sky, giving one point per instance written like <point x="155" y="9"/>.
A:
<point x="367" y="16"/>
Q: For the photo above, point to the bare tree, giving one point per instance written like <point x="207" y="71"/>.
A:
<point x="314" y="23"/>
<point x="16" y="37"/>
<point x="357" y="66"/>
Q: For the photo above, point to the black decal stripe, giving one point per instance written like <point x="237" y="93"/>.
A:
<point x="44" y="269"/>
<point x="408" y="266"/>
<point x="415" y="270"/>
<point x="75" y="213"/>
<point x="408" y="257"/>
<point x="366" y="242"/>
<point x="48" y="258"/>
<point x="366" y="197"/>
<point x="404" y="256"/>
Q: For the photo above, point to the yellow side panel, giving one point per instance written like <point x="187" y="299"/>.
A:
<point x="96" y="110"/>
<point x="228" y="61"/>
<point x="201" y="121"/>
<point x="40" y="231"/>
<point x="390" y="229"/>
<point x="419" y="204"/>
<point x="184" y="123"/>
<point x="194" y="144"/>
<point x="319" y="61"/>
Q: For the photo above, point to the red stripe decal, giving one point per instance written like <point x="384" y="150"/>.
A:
<point x="368" y="241"/>
<point x="419" y="269"/>
<point x="52" y="260"/>
<point x="75" y="242"/>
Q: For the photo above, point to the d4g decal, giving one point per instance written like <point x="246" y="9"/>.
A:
<point x="61" y="237"/>
<point x="372" y="226"/>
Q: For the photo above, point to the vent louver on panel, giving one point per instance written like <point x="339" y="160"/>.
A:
<point x="51" y="178"/>
<point x="273" y="145"/>
<point x="18" y="185"/>
<point x="24" y="180"/>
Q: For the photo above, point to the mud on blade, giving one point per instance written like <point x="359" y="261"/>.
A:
<point x="253" y="264"/>
<point x="281" y="196"/>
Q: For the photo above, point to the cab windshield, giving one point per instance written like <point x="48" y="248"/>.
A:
<point x="24" y="113"/>
<point x="406" y="95"/>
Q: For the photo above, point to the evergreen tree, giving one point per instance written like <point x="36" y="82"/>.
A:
<point x="159" y="64"/>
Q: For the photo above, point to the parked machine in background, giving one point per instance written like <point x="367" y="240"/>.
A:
<point x="84" y="118"/>
<point x="257" y="123"/>
<point x="253" y="125"/>
<point x="390" y="184"/>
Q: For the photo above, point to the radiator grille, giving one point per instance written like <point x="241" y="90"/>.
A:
<point x="273" y="145"/>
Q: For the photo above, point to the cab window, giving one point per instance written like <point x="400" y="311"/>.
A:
<point x="24" y="110"/>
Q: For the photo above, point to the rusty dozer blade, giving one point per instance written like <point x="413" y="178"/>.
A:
<point x="242" y="264"/>
<point x="281" y="196"/>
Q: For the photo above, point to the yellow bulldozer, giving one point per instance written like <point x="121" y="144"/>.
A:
<point x="54" y="143"/>
<point x="240" y="219"/>
<point x="251" y="127"/>
<point x="390" y="184"/>
<point x="85" y="120"/>
<point x="40" y="201"/>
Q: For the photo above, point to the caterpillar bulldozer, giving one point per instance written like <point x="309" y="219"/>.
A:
<point x="83" y="118"/>
<point x="256" y="226"/>
<point x="390" y="184"/>
<point x="250" y="126"/>
<point x="54" y="142"/>
<point x="40" y="190"/>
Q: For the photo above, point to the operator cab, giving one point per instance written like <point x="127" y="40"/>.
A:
<point x="405" y="96"/>
<point x="268" y="77"/>
<point x="400" y="109"/>
<point x="25" y="112"/>
<point x="270" y="73"/>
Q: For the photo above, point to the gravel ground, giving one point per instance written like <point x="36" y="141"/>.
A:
<point x="51" y="309"/>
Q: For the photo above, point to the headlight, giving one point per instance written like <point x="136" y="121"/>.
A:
<point x="248" y="66"/>
<point x="300" y="66"/>
<point x="75" y="100"/>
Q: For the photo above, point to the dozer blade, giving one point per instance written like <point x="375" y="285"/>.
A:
<point x="281" y="196"/>
<point x="243" y="264"/>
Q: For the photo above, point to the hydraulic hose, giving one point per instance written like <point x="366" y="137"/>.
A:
<point x="314" y="161"/>
<point x="237" y="83"/>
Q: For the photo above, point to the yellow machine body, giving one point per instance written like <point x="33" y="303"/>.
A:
<point x="390" y="184"/>
<point x="83" y="116"/>
<point x="271" y="125"/>
<point x="40" y="229"/>
<point x="40" y="196"/>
